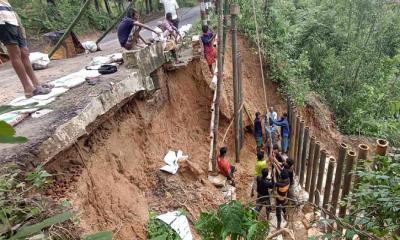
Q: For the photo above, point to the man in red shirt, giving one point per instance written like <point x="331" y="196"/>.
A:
<point x="225" y="168"/>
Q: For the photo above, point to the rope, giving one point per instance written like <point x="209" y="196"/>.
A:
<point x="259" y="55"/>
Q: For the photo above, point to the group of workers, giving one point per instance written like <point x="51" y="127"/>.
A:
<point x="273" y="175"/>
<point x="12" y="35"/>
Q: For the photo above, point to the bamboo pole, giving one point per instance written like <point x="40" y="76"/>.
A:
<point x="218" y="88"/>
<point x="292" y="132"/>
<point x="240" y="61"/>
<point x="296" y="140"/>
<point x="306" y="140"/>
<point x="70" y="27"/>
<point x="112" y="26"/>
<point x="328" y="182"/>
<point x="300" y="147"/>
<point x="314" y="171"/>
<point x="234" y="12"/>
<point x="381" y="147"/>
<point x="338" y="178"/>
<point x="310" y="163"/>
<point x="348" y="173"/>
<point x="363" y="150"/>
<point x="321" y="173"/>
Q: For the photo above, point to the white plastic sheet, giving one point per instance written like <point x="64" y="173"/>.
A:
<point x="171" y="159"/>
<point x="178" y="223"/>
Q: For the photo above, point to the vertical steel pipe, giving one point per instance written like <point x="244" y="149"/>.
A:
<point x="363" y="151"/>
<point x="321" y="173"/>
<point x="314" y="172"/>
<point x="306" y="140"/>
<point x="348" y="173"/>
<point x="310" y="163"/>
<point x="239" y="62"/>
<point x="300" y="147"/>
<point x="328" y="182"/>
<point x="234" y="12"/>
<point x="338" y="177"/>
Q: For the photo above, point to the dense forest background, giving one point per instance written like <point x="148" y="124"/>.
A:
<point x="42" y="16"/>
<point x="345" y="50"/>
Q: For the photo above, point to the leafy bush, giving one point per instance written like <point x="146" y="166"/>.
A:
<point x="346" y="51"/>
<point x="231" y="220"/>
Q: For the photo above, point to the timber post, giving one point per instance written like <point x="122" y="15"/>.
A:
<point x="234" y="9"/>
<point x="328" y="182"/>
<point x="348" y="174"/>
<point x="338" y="177"/>
<point x="314" y="171"/>
<point x="306" y="140"/>
<point x="321" y="173"/>
<point x="310" y="163"/>
<point x="300" y="147"/>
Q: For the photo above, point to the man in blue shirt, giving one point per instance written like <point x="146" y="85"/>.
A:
<point x="129" y="30"/>
<point x="284" y="124"/>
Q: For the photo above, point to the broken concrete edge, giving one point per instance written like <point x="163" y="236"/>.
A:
<point x="142" y="62"/>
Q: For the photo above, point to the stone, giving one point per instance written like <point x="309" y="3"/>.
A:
<point x="218" y="181"/>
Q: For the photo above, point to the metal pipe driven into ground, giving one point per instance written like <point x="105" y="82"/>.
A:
<point x="363" y="151"/>
<point x="348" y="174"/>
<point x="292" y="132"/>
<point x="310" y="162"/>
<point x="306" y="140"/>
<point x="321" y="173"/>
<point x="234" y="12"/>
<point x="338" y="177"/>
<point x="328" y="182"/>
<point x="300" y="147"/>
<point x="314" y="172"/>
<point x="296" y="142"/>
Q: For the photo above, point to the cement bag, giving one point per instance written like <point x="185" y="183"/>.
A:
<point x="90" y="46"/>
<point x="39" y="60"/>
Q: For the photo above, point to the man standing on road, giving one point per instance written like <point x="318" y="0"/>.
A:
<point x="171" y="6"/>
<point x="12" y="35"/>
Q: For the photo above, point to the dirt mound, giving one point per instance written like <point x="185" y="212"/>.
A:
<point x="120" y="181"/>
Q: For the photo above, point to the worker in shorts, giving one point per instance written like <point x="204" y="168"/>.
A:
<point x="12" y="35"/>
<point x="209" y="51"/>
<point x="282" y="190"/>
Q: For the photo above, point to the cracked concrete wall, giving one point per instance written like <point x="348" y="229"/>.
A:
<point x="141" y="64"/>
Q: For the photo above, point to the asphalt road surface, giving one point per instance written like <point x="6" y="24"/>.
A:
<point x="11" y="86"/>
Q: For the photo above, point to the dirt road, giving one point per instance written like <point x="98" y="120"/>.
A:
<point x="11" y="87"/>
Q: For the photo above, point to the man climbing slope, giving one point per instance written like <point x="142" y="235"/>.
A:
<point x="224" y="166"/>
<point x="129" y="30"/>
<point x="12" y="35"/>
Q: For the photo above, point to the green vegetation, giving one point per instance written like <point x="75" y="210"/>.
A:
<point x="40" y="16"/>
<point x="158" y="230"/>
<point x="346" y="51"/>
<point x="232" y="220"/>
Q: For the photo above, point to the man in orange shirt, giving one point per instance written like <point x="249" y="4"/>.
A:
<point x="224" y="166"/>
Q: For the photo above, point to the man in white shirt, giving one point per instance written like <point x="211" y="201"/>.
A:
<point x="171" y="6"/>
<point x="12" y="35"/>
<point x="270" y="128"/>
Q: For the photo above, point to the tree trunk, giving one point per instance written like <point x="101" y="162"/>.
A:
<point x="147" y="6"/>
<point x="151" y="6"/>
<point x="96" y="5"/>
<point x="107" y="7"/>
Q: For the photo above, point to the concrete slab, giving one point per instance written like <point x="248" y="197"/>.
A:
<point x="74" y="111"/>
